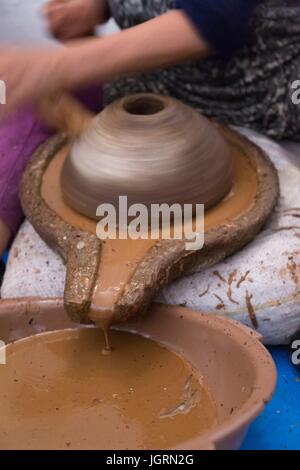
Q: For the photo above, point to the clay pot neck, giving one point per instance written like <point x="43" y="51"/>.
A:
<point x="143" y="105"/>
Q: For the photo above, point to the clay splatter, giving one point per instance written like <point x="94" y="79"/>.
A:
<point x="251" y="310"/>
<point x="204" y="292"/>
<point x="291" y="253"/>
<point x="292" y="268"/>
<point x="231" y="278"/>
<point x="289" y="227"/>
<point x="229" y="295"/>
<point x="190" y="399"/>
<point x="221" y="305"/>
<point x="216" y="273"/>
<point x="242" y="279"/>
<point x="293" y="209"/>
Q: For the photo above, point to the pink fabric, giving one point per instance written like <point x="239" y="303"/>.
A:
<point x="20" y="136"/>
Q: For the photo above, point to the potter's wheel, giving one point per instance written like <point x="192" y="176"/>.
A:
<point x="124" y="275"/>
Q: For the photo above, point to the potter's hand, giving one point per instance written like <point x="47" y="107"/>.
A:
<point x="29" y="74"/>
<point x="70" y="19"/>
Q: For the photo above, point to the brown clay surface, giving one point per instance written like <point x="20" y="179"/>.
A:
<point x="59" y="392"/>
<point x="131" y="272"/>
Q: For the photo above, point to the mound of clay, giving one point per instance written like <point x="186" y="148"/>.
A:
<point x="152" y="149"/>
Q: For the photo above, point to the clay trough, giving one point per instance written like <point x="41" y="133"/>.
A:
<point x="123" y="276"/>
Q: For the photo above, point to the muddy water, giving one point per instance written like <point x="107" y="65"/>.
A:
<point x="58" y="391"/>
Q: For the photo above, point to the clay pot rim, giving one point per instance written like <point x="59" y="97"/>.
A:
<point x="266" y="374"/>
<point x="129" y="100"/>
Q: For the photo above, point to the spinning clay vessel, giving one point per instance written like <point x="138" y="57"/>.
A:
<point x="152" y="149"/>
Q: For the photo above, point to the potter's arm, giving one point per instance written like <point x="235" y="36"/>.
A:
<point x="154" y="44"/>
<point x="166" y="40"/>
<point x="160" y="42"/>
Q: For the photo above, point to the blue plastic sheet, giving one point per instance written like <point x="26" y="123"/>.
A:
<point x="278" y="428"/>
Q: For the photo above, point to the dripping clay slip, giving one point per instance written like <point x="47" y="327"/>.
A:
<point x="144" y="138"/>
<point x="165" y="386"/>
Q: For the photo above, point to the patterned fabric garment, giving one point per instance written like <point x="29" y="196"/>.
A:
<point x="252" y="89"/>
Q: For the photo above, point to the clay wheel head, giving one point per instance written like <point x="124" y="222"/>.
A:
<point x="152" y="149"/>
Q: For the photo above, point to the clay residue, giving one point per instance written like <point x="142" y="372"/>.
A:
<point x="251" y="311"/>
<point x="292" y="268"/>
<point x="242" y="279"/>
<point x="291" y="210"/>
<point x="286" y="228"/>
<point x="229" y="295"/>
<point x="220" y="305"/>
<point x="190" y="398"/>
<point x="204" y="292"/>
<point x="216" y="273"/>
<point x="231" y="278"/>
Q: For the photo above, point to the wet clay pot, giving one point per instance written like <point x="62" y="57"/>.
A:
<point x="236" y="367"/>
<point x="152" y="149"/>
<point x="113" y="280"/>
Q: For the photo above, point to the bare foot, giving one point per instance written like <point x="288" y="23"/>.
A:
<point x="69" y="19"/>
